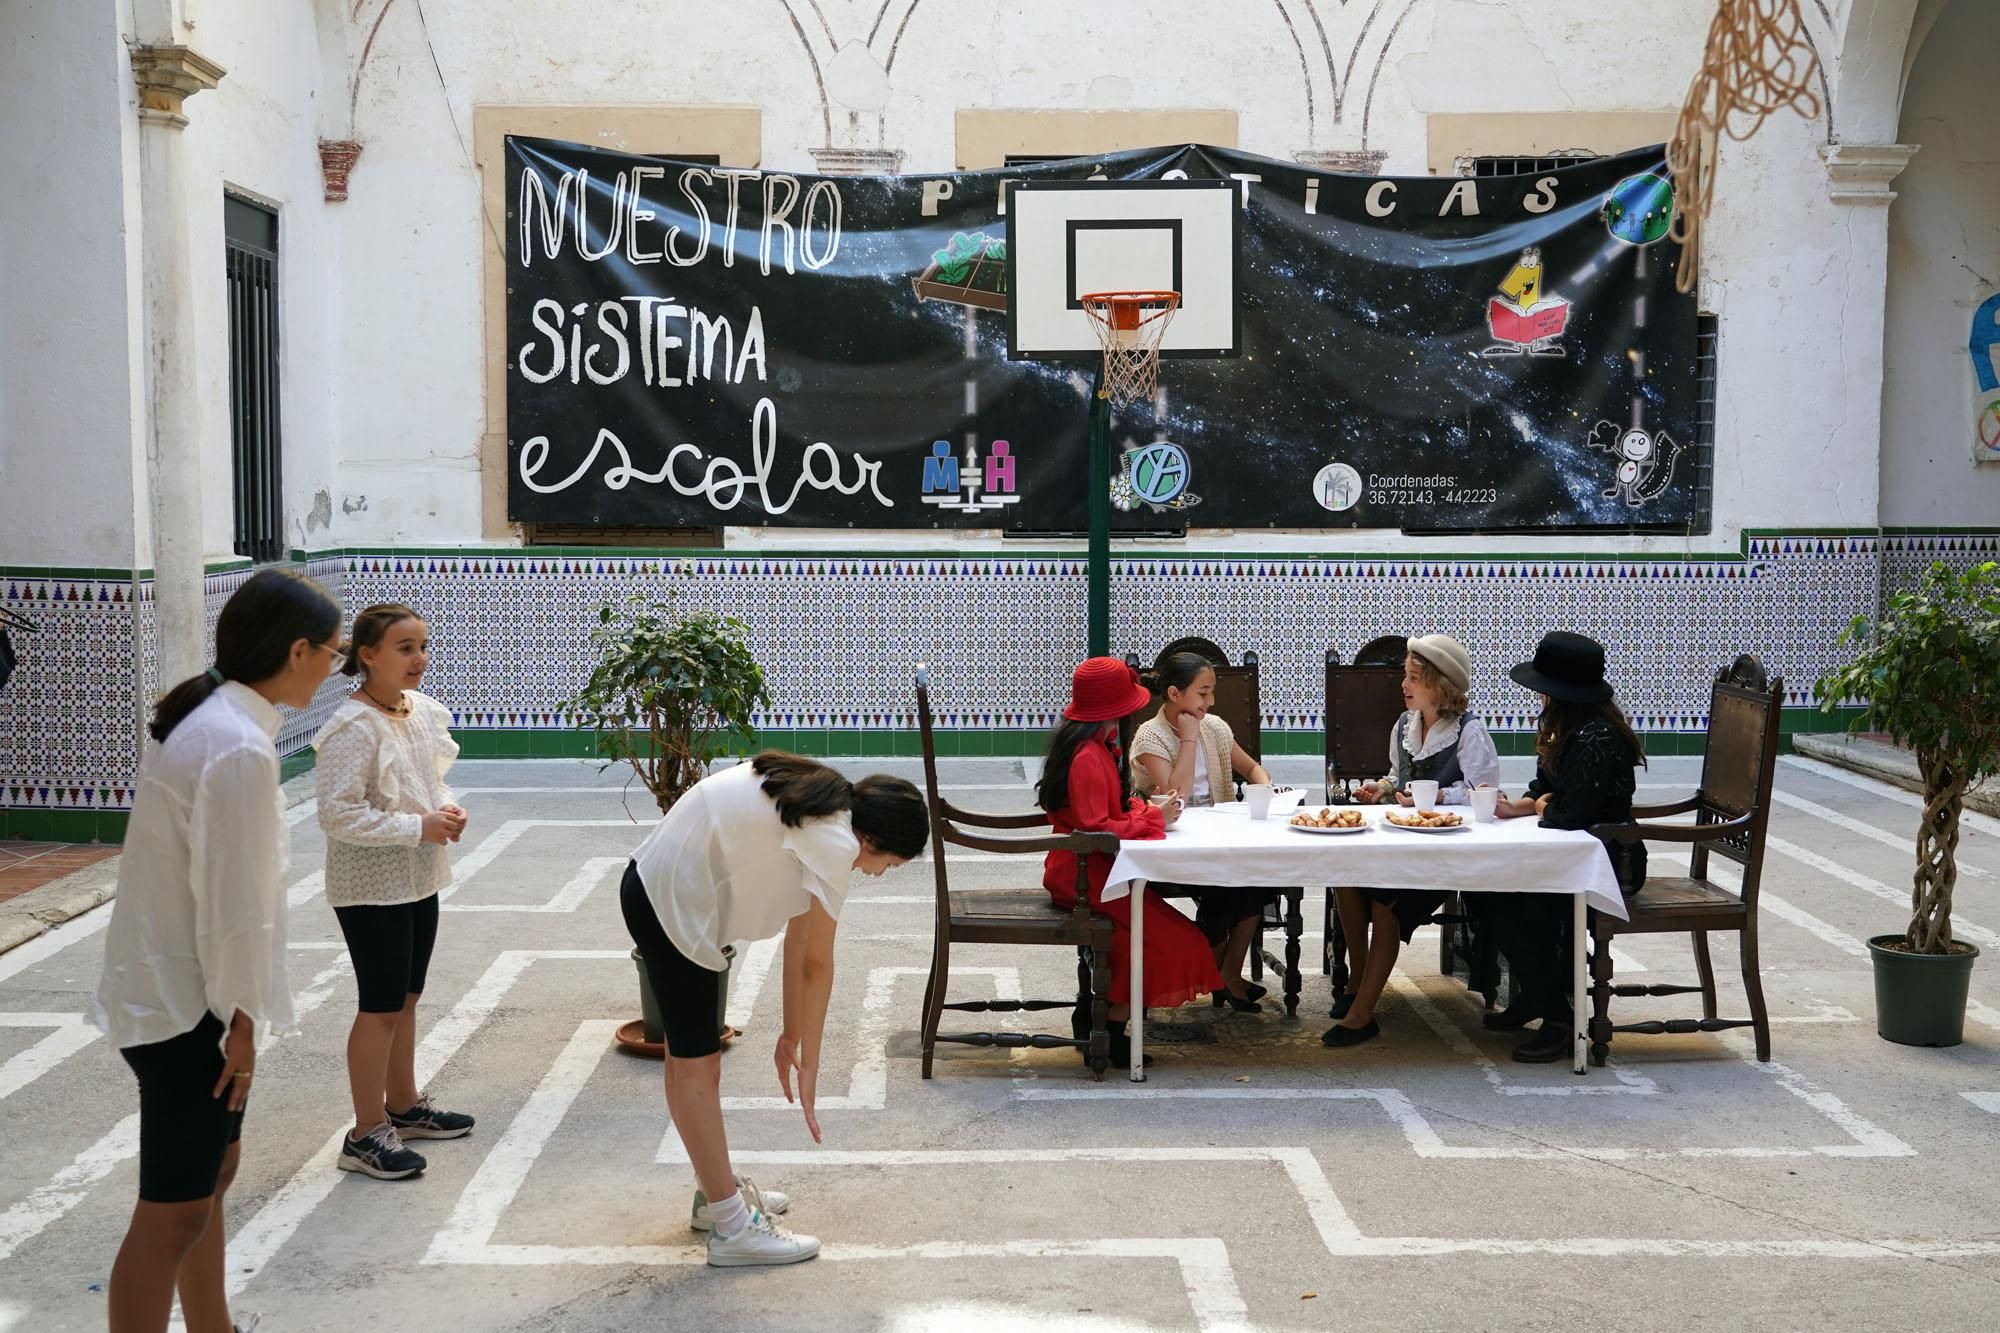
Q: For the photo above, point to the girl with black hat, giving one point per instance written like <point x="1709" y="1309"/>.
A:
<point x="1585" y="752"/>
<point x="1084" y="788"/>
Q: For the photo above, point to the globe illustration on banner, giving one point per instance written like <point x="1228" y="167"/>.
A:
<point x="1639" y="208"/>
<point x="1158" y="472"/>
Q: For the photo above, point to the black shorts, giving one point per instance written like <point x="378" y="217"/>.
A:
<point x="689" y="995"/>
<point x="184" y="1129"/>
<point x="391" y="951"/>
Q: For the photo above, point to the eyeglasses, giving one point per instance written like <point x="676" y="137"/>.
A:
<point x="335" y="658"/>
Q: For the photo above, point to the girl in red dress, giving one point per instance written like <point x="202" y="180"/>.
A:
<point x="1084" y="788"/>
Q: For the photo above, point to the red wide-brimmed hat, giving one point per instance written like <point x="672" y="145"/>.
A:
<point x="1103" y="689"/>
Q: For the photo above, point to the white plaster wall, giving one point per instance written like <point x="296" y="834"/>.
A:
<point x="1792" y="455"/>
<point x="67" y="382"/>
<point x="1944" y="258"/>
<point x="383" y="394"/>
<point x="257" y="133"/>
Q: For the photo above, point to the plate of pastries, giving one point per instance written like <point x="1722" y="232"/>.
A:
<point x="1427" y="821"/>
<point x="1326" y="819"/>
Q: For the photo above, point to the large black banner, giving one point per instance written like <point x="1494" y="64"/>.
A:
<point x="692" y="344"/>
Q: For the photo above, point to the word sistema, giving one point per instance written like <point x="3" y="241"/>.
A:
<point x="657" y="324"/>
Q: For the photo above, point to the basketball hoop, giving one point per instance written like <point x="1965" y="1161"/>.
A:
<point x="1130" y="327"/>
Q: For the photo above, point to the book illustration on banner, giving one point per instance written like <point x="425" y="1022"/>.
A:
<point x="1526" y="318"/>
<point x="971" y="271"/>
<point x="965" y="487"/>
<point x="1155" y="475"/>
<point x="1639" y="208"/>
<point x="1645" y="462"/>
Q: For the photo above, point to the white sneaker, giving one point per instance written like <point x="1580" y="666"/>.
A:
<point x="762" y="1242"/>
<point x="770" y="1201"/>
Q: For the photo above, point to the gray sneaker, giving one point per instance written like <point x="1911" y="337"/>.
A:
<point x="761" y="1243"/>
<point x="380" y="1153"/>
<point x="769" y="1201"/>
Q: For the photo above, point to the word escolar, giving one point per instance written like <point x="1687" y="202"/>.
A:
<point x="723" y="481"/>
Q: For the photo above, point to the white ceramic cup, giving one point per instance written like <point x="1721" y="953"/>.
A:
<point x="1258" y="797"/>
<point x="1425" y="793"/>
<point x="1485" y="800"/>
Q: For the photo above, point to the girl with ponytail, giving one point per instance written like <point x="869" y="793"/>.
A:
<point x="194" y="959"/>
<point x="762" y="847"/>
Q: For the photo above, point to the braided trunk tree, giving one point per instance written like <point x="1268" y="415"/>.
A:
<point x="1929" y="675"/>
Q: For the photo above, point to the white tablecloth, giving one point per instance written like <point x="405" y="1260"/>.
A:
<point x="1223" y="845"/>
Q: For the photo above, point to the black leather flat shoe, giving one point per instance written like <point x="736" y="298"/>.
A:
<point x="1546" y="1047"/>
<point x="1222" y="997"/>
<point x="1511" y="1019"/>
<point x="1341" y="1004"/>
<point x="1345" y="1036"/>
<point x="1121" y="1049"/>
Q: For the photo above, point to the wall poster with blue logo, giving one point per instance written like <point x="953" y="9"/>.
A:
<point x="694" y="344"/>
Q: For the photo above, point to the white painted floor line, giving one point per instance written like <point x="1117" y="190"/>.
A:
<point x="1960" y="927"/>
<point x="266" y="1232"/>
<point x="1985" y="1101"/>
<point x="53" y="941"/>
<point x="746" y="980"/>
<point x="1456" y="1039"/>
<point x="466" y="1237"/>
<point x="504" y="837"/>
<point x="1907" y="846"/>
<point x="868" y="1082"/>
<point x="72" y="1032"/>
<point x="28" y="1218"/>
<point x="504" y="1169"/>
<point x="11" y="1315"/>
<point x="1885" y="791"/>
<point x="594" y="872"/>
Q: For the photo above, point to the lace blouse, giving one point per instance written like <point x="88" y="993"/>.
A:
<point x="377" y="777"/>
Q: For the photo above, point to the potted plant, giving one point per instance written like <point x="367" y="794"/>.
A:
<point x="671" y="691"/>
<point x="1929" y="673"/>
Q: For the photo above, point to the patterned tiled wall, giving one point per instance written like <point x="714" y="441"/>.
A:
<point x="839" y="635"/>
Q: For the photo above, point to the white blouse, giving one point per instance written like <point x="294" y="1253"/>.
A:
<point x="376" y="777"/>
<point x="721" y="867"/>
<point x="198" y="926"/>
<point x="1478" y="760"/>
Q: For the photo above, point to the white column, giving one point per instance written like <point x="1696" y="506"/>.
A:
<point x="1858" y="177"/>
<point x="167" y="75"/>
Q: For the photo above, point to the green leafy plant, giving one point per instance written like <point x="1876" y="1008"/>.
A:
<point x="1929" y="672"/>
<point x="670" y="692"/>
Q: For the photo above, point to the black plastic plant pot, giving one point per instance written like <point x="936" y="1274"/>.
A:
<point x="649" y="1006"/>
<point x="1920" y="997"/>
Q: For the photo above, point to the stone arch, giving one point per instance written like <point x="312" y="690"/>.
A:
<point x="1873" y="45"/>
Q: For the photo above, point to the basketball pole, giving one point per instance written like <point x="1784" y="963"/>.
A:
<point x="1099" y="445"/>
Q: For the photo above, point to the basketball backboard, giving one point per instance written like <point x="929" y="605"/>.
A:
<point x="1069" y="238"/>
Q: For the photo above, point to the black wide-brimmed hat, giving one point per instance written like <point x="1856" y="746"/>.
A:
<point x="1567" y="666"/>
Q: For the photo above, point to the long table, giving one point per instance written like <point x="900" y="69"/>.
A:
<point x="1222" y="845"/>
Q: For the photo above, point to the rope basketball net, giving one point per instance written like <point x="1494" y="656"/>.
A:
<point x="1758" y="61"/>
<point x="1130" y="327"/>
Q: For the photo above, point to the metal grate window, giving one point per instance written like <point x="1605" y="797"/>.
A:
<point x="1705" y="345"/>
<point x="1518" y="166"/>
<point x="250" y="249"/>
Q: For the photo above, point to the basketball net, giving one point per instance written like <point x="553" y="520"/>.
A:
<point x="1130" y="327"/>
<point x="1759" y="60"/>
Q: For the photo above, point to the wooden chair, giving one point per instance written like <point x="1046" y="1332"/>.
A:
<point x="1239" y="702"/>
<point x="1732" y="809"/>
<point x="1363" y="700"/>
<point x="1012" y="916"/>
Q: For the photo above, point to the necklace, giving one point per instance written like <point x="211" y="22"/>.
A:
<point x="401" y="707"/>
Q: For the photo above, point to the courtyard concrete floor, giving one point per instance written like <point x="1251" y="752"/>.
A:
<point x="1260" y="1181"/>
